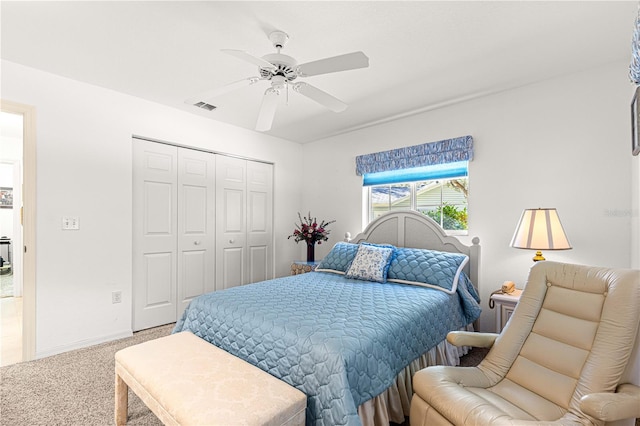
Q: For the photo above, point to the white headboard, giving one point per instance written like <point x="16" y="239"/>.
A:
<point x="413" y="229"/>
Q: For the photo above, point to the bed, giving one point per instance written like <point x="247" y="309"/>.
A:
<point x="349" y="343"/>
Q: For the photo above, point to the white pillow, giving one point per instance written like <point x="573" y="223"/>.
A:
<point x="371" y="263"/>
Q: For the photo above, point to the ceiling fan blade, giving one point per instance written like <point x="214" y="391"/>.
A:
<point x="241" y="54"/>
<point x="267" y="110"/>
<point x="349" y="61"/>
<point x="321" y="97"/>
<point x="222" y="90"/>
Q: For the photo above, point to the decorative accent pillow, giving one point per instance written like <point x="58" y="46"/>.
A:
<point x="371" y="263"/>
<point x="338" y="259"/>
<point x="427" y="268"/>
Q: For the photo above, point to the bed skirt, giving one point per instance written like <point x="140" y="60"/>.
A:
<point x="393" y="405"/>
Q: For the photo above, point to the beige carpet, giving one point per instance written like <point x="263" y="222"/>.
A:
<point x="73" y="388"/>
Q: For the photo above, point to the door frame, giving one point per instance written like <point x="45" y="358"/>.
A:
<point x="28" y="214"/>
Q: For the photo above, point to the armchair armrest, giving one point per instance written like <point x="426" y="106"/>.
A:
<point x="471" y="338"/>
<point x="609" y="407"/>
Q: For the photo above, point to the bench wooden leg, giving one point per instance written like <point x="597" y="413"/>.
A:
<point x="121" y="401"/>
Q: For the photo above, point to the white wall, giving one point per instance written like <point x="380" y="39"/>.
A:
<point x="560" y="143"/>
<point x="84" y="154"/>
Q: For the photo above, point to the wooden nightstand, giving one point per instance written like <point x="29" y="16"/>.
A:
<point x="505" y="304"/>
<point x="302" y="267"/>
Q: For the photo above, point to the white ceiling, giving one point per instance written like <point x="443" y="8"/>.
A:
<point x="423" y="54"/>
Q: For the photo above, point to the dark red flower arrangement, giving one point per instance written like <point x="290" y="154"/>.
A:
<point x="310" y="231"/>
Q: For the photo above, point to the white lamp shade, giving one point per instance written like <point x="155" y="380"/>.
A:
<point x="540" y="229"/>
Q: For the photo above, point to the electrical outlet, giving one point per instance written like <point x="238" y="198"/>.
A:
<point x="116" y="297"/>
<point x="70" y="223"/>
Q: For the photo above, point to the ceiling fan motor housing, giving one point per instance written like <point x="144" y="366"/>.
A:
<point x="286" y="66"/>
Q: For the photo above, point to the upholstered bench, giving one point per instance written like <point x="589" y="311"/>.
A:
<point x="185" y="380"/>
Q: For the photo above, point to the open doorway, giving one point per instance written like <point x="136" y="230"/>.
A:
<point x="11" y="141"/>
<point x="17" y="233"/>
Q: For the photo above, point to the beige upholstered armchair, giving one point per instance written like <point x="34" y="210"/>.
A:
<point x="563" y="358"/>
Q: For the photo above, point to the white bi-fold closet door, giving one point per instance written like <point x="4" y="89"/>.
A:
<point x="202" y="222"/>
<point x="244" y="221"/>
<point x="174" y="230"/>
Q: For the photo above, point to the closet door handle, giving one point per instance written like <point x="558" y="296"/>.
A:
<point x="197" y="243"/>
<point x="231" y="241"/>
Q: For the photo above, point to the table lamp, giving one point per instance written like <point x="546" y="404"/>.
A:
<point x="540" y="229"/>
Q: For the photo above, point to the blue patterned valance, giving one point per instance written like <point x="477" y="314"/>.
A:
<point x="446" y="151"/>
<point x="634" y="68"/>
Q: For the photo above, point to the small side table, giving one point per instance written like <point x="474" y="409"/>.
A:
<point x="302" y="267"/>
<point x="505" y="305"/>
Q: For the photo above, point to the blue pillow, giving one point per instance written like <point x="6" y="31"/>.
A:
<point x="428" y="268"/>
<point x="338" y="259"/>
<point x="371" y="263"/>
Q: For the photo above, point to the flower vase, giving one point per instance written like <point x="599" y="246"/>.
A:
<point x="311" y="252"/>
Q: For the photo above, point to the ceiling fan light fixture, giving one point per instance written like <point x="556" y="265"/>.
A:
<point x="278" y="83"/>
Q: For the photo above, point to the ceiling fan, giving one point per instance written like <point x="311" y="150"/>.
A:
<point x="282" y="71"/>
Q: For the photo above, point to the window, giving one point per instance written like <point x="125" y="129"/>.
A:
<point x="443" y="200"/>
<point x="431" y="178"/>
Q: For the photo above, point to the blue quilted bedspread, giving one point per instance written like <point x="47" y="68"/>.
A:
<point x="340" y="341"/>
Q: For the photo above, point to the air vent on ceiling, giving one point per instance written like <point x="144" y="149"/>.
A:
<point x="205" y="105"/>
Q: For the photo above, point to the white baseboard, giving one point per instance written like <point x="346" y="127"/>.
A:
<point x="83" y="344"/>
